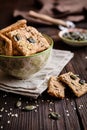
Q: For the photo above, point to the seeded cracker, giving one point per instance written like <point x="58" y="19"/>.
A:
<point x="5" y="45"/>
<point x="78" y="86"/>
<point x="56" y="88"/>
<point x="18" y="24"/>
<point x="27" y="40"/>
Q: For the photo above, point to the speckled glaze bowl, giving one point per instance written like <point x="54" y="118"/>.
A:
<point x="23" y="67"/>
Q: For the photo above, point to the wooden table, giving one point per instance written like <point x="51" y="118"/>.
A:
<point x="72" y="110"/>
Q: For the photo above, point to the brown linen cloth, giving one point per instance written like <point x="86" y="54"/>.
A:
<point x="73" y="10"/>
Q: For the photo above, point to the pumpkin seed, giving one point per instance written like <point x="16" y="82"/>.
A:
<point x="54" y="115"/>
<point x="31" y="40"/>
<point x="78" y="36"/>
<point x="18" y="104"/>
<point x="73" y="77"/>
<point x="82" y="82"/>
<point x="29" y="107"/>
<point x="16" y="37"/>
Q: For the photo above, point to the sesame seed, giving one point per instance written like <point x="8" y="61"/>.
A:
<point x="72" y="104"/>
<point x="27" y="102"/>
<point x="42" y="100"/>
<point x="68" y="114"/>
<point x="2" y="109"/>
<point x="5" y="103"/>
<point x="4" y="96"/>
<point x="12" y="115"/>
<point x="16" y="115"/>
<point x="8" y="114"/>
<point x="8" y="122"/>
<point x="48" y="100"/>
<point x="74" y="108"/>
<point x="51" y="102"/>
<point x="1" y="126"/>
<point x="50" y="109"/>
<point x="35" y="101"/>
<point x="0" y="115"/>
<point x="85" y="57"/>
<point x="20" y="98"/>
<point x="35" y="110"/>
<point x="10" y="109"/>
<point x="67" y="111"/>
<point x="80" y="106"/>
<point x="67" y="99"/>
<point x="6" y="111"/>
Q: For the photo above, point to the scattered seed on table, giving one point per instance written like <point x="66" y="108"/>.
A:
<point x="16" y="115"/>
<point x="50" y="109"/>
<point x="2" y="109"/>
<point x="4" y="95"/>
<point x="0" y="116"/>
<point x="74" y="108"/>
<point x="80" y="106"/>
<point x="1" y="126"/>
<point x="85" y="57"/>
<point x="18" y="104"/>
<point x="6" y="111"/>
<point x="8" y="122"/>
<point x="54" y="115"/>
<point x="29" y="108"/>
<point x="11" y="109"/>
<point x="67" y="114"/>
<point x="5" y="103"/>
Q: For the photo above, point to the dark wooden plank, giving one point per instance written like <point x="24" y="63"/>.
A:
<point x="82" y="110"/>
<point x="73" y="111"/>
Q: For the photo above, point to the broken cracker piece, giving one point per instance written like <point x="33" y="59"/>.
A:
<point x="5" y="45"/>
<point x="55" y="87"/>
<point x="78" y="86"/>
<point x="18" y="24"/>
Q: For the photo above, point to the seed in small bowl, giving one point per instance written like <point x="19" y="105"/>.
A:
<point x="74" y="37"/>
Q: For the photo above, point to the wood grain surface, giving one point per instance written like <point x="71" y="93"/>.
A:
<point x="72" y="110"/>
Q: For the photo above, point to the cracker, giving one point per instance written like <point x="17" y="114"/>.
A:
<point x="27" y="40"/>
<point x="18" y="24"/>
<point x="55" y="87"/>
<point x="5" y="45"/>
<point x="78" y="86"/>
<point x="16" y="52"/>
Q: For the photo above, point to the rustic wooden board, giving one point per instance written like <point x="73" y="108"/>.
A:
<point x="73" y="111"/>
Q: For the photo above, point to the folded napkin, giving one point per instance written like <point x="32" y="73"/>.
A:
<point x="73" y="10"/>
<point x="34" y="86"/>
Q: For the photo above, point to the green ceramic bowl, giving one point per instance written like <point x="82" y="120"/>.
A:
<point x="70" y="42"/>
<point x="23" y="67"/>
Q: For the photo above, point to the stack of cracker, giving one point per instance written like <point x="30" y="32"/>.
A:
<point x="21" y="40"/>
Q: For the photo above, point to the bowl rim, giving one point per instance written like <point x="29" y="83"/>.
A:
<point x="51" y="45"/>
<point x="73" y="42"/>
